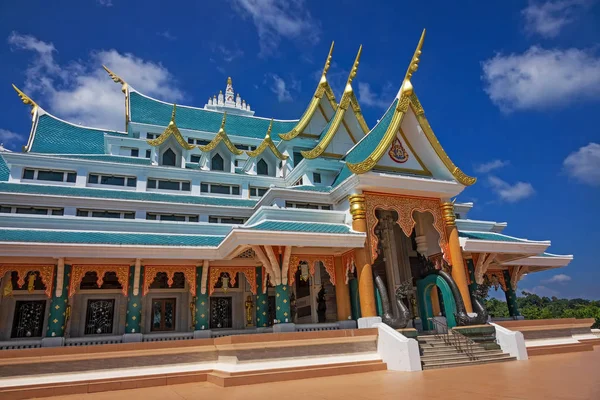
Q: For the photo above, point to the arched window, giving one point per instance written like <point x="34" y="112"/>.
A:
<point x="169" y="158"/>
<point x="262" y="168"/>
<point x="217" y="163"/>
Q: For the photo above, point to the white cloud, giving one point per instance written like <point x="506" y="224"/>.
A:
<point x="541" y="79"/>
<point x="584" y="164"/>
<point x="81" y="91"/>
<point x="511" y="193"/>
<point x="548" y="18"/>
<point x="229" y="54"/>
<point x="558" y="278"/>
<point x="11" y="140"/>
<point x="542" y="291"/>
<point x="105" y="3"/>
<point x="167" y="35"/>
<point x="275" y="19"/>
<point x="279" y="88"/>
<point x="369" y="98"/>
<point x="490" y="166"/>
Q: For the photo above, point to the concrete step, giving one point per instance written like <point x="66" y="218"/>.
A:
<point x="462" y="363"/>
<point x="225" y="379"/>
<point x="461" y="356"/>
<point x="433" y="356"/>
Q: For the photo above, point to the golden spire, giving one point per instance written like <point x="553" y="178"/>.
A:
<point x="267" y="142"/>
<point x="229" y="80"/>
<point x="26" y="99"/>
<point x="399" y="112"/>
<point x="171" y="130"/>
<point x="345" y="101"/>
<point x="221" y="136"/>
<point x="323" y="88"/>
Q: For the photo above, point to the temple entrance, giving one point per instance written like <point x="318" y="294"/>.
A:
<point x="428" y="290"/>
<point x="313" y="292"/>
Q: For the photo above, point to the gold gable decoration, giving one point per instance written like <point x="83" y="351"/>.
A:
<point x="221" y="136"/>
<point x="26" y="100"/>
<point x="339" y="113"/>
<point x="171" y="130"/>
<point x="322" y="89"/>
<point x="401" y="108"/>
<point x="124" y="89"/>
<point x="267" y="143"/>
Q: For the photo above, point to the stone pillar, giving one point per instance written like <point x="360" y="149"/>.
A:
<point x="458" y="267"/>
<point x="134" y="299"/>
<point x="262" y="301"/>
<point x="59" y="308"/>
<point x="365" y="273"/>
<point x="342" y="292"/>
<point x="511" y="296"/>
<point x="282" y="304"/>
<point x="201" y="303"/>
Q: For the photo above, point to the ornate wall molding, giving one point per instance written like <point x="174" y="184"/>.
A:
<point x="189" y="272"/>
<point x="215" y="273"/>
<point x="500" y="277"/>
<point x="78" y="272"/>
<point x="405" y="207"/>
<point x="349" y="264"/>
<point x="22" y="270"/>
<point x="296" y="259"/>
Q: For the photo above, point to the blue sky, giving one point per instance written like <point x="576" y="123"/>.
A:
<point x="511" y="88"/>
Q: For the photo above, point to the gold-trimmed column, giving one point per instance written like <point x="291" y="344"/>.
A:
<point x="342" y="292"/>
<point x="458" y="270"/>
<point x="366" y="290"/>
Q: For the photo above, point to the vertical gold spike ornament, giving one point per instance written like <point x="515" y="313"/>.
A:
<point x="171" y="130"/>
<point x="124" y="89"/>
<point x="26" y="100"/>
<point x="267" y="142"/>
<point x="406" y="90"/>
<point x="221" y="136"/>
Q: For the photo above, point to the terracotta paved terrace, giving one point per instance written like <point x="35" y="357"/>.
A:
<point x="560" y="376"/>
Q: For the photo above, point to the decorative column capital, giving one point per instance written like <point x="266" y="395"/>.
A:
<point x="448" y="214"/>
<point x="358" y="208"/>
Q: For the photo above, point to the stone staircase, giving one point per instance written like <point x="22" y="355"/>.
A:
<point x="436" y="353"/>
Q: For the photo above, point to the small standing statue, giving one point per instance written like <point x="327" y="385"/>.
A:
<point x="249" y="304"/>
<point x="321" y="305"/>
<point x="293" y="306"/>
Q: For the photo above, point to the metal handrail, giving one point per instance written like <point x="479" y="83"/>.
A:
<point x="459" y="340"/>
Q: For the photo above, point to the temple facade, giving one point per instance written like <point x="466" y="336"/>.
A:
<point x="203" y="222"/>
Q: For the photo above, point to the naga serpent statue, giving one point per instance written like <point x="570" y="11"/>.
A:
<point x="388" y="317"/>
<point x="462" y="318"/>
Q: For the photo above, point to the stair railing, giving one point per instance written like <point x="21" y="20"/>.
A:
<point x="457" y="339"/>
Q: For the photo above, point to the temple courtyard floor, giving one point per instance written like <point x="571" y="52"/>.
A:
<point x="559" y="376"/>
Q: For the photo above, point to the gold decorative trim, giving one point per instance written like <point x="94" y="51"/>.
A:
<point x="358" y="113"/>
<point x="26" y="100"/>
<point x="267" y="142"/>
<point x="448" y="213"/>
<point x="358" y="208"/>
<point x="401" y="108"/>
<point x="348" y="263"/>
<point x="339" y="114"/>
<point x="215" y="273"/>
<point x="124" y="89"/>
<point x="22" y="270"/>
<point x="404" y="206"/>
<point x="171" y="130"/>
<point x="295" y="259"/>
<point x="456" y="172"/>
<point x="78" y="272"/>
<point x="414" y="153"/>
<point x="322" y="89"/>
<point x="333" y="155"/>
<point x="221" y="136"/>
<point x="150" y="272"/>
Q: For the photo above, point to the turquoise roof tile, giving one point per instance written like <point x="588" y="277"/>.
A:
<point x="55" y="136"/>
<point x="116" y="238"/>
<point x="314" y="227"/>
<point x="149" y="111"/>
<point x="489" y="236"/>
<point x="4" y="171"/>
<point x="123" y="195"/>
<point x="107" y="158"/>
<point x="309" y="188"/>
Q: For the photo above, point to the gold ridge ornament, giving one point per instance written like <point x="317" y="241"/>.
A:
<point x="221" y="136"/>
<point x="267" y="143"/>
<point x="171" y="130"/>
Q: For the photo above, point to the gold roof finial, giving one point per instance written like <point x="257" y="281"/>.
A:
<point x="229" y="80"/>
<point x="116" y="79"/>
<point x="354" y="69"/>
<point x="328" y="61"/>
<point x="26" y="99"/>
<point x="222" y="128"/>
<point x="173" y="114"/>
<point x="267" y="143"/>
<point x="407" y="87"/>
<point x="268" y="135"/>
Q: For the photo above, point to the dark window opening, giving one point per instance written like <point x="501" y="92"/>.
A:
<point x="195" y="158"/>
<point x="217" y="163"/>
<point x="28" y="173"/>
<point x="99" y="316"/>
<point x="316" y="177"/>
<point x="90" y="281"/>
<point x="135" y="152"/>
<point x="163" y="314"/>
<point x="262" y="168"/>
<point x="29" y="319"/>
<point x="148" y="153"/>
<point x="169" y="158"/>
<point x="50" y="176"/>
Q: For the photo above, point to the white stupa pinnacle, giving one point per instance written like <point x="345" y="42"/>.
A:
<point x="231" y="102"/>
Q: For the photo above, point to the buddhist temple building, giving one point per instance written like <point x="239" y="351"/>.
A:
<point x="199" y="222"/>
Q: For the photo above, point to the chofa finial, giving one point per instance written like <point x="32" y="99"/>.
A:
<point x="407" y="87"/>
<point x="26" y="99"/>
